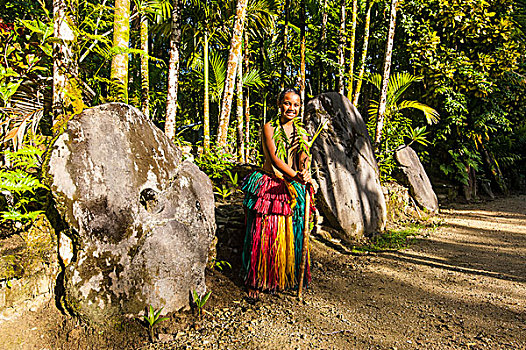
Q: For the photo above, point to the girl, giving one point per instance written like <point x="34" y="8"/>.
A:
<point x="275" y="204"/>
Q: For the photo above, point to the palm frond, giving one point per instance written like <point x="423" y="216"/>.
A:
<point x="375" y="79"/>
<point x="398" y="84"/>
<point x="195" y="62"/>
<point x="253" y="78"/>
<point x="218" y="76"/>
<point x="373" y="108"/>
<point x="159" y="8"/>
<point x="430" y="113"/>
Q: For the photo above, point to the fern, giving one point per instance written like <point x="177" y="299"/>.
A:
<point x="14" y="215"/>
<point x="25" y="158"/>
<point x="18" y="181"/>
<point x="19" y="187"/>
<point x="303" y="139"/>
<point x="280" y="139"/>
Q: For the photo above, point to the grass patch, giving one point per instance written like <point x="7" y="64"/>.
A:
<point x="391" y="240"/>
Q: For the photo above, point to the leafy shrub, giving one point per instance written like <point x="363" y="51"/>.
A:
<point x="215" y="163"/>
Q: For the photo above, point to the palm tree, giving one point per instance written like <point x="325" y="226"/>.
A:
<point x="145" y="74"/>
<point x="351" y="47"/>
<point x="321" y="46"/>
<point x="235" y="50"/>
<point x="361" y="71"/>
<point x="173" y="71"/>
<point x="303" y="39"/>
<point x="397" y="85"/>
<point x="121" y="41"/>
<point x="205" y="23"/>
<point x="285" y="53"/>
<point x="246" y="155"/>
<point x="64" y="63"/>
<point x="239" y="110"/>
<point x="341" y="47"/>
<point x="385" y="77"/>
<point x="260" y="15"/>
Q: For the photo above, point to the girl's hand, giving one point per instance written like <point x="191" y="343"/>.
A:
<point x="305" y="177"/>
<point x="314" y="185"/>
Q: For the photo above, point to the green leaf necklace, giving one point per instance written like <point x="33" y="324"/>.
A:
<point x="283" y="143"/>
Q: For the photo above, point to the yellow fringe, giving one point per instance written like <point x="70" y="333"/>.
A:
<point x="291" y="257"/>
<point x="281" y="257"/>
<point x="262" y="259"/>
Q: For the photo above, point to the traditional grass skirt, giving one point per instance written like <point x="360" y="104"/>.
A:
<point x="275" y="211"/>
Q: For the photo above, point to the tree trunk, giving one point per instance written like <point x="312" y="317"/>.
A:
<point x="385" y="78"/>
<point x="247" y="103"/>
<point x="470" y="189"/>
<point x="494" y="170"/>
<point x="121" y="41"/>
<point x="323" y="36"/>
<point x="239" y="113"/>
<point x="235" y="49"/>
<point x="285" y="51"/>
<point x="341" y="50"/>
<point x="303" y="24"/>
<point x="64" y="63"/>
<point x="265" y="110"/>
<point x="247" y="126"/>
<point x="173" y="71"/>
<point x="206" y="103"/>
<point x="145" y="73"/>
<point x="364" y="52"/>
<point x="351" y="48"/>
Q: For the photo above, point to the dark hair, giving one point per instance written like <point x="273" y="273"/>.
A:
<point x="282" y="94"/>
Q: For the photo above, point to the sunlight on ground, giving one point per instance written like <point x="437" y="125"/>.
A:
<point x="445" y="283"/>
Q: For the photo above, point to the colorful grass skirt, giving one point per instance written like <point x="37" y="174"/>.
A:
<point x="275" y="211"/>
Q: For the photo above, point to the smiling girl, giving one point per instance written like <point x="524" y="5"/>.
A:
<point x="274" y="203"/>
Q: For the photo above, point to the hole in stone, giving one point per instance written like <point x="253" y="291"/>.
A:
<point x="148" y="199"/>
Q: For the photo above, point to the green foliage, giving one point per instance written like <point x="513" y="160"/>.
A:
<point x="215" y="163"/>
<point x="391" y="240"/>
<point x="397" y="85"/>
<point x="152" y="318"/>
<point x="200" y="301"/>
<point x="233" y="179"/>
<point x="467" y="59"/>
<point x="226" y="190"/>
<point x="462" y="158"/>
<point x="468" y="65"/>
<point x="397" y="131"/>
<point x="223" y="192"/>
<point x="304" y="140"/>
<point x="219" y="264"/>
<point x="280" y="139"/>
<point x="20" y="185"/>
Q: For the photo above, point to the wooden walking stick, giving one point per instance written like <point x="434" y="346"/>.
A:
<point x="306" y="228"/>
<point x="306" y="234"/>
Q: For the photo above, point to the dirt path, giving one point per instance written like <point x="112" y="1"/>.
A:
<point x="462" y="287"/>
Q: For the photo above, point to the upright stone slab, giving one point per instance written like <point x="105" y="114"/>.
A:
<point x="414" y="176"/>
<point x="141" y="219"/>
<point x="350" y="194"/>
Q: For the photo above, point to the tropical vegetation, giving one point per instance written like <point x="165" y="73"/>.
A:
<point x="448" y="76"/>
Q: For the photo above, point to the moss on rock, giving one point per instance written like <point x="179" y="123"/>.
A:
<point x="28" y="263"/>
